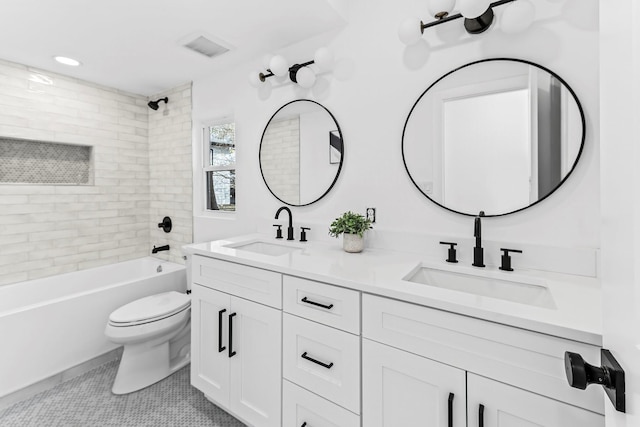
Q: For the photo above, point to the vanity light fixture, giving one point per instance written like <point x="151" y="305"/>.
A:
<point x="301" y="74"/>
<point x="478" y="16"/>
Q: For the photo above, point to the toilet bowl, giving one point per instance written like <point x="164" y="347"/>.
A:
<point x="155" y="333"/>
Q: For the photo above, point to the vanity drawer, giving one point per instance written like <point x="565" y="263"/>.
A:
<point x="327" y="304"/>
<point x="525" y="359"/>
<point x="300" y="406"/>
<point x="246" y="282"/>
<point x="323" y="360"/>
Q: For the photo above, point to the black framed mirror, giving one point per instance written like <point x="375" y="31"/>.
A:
<point x="497" y="135"/>
<point x="301" y="152"/>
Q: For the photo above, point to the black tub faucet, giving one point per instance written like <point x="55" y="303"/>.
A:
<point x="478" y="252"/>
<point x="290" y="227"/>
<point x="159" y="248"/>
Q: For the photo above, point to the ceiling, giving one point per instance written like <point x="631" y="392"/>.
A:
<point x="136" y="45"/>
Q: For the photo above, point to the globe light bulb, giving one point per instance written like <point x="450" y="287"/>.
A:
<point x="410" y="31"/>
<point x="278" y="66"/>
<point x="471" y="9"/>
<point x="306" y="77"/>
<point x="324" y="59"/>
<point x="517" y="17"/>
<point x="266" y="60"/>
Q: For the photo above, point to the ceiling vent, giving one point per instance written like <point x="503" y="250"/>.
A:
<point x="206" y="47"/>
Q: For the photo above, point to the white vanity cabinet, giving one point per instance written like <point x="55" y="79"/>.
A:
<point x="402" y="389"/>
<point x="410" y="350"/>
<point x="236" y="344"/>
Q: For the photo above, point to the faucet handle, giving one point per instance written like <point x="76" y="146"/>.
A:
<point x="278" y="231"/>
<point x="303" y="233"/>
<point x="452" y="251"/>
<point x="506" y="259"/>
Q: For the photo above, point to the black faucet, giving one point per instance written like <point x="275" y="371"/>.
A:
<point x="478" y="252"/>
<point x="290" y="228"/>
<point x="159" y="248"/>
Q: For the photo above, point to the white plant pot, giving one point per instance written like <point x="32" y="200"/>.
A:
<point x="352" y="243"/>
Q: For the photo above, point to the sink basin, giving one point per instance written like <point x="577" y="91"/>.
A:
<point x="521" y="290"/>
<point x="265" y="248"/>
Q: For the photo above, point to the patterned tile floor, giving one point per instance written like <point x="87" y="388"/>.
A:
<point x="86" y="401"/>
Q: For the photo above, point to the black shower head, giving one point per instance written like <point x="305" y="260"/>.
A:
<point x="154" y="104"/>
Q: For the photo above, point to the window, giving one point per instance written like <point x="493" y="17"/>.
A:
<point x="220" y="167"/>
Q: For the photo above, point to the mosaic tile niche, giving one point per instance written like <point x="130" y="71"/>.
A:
<point x="40" y="162"/>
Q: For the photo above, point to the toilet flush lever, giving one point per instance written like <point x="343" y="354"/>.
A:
<point x="610" y="375"/>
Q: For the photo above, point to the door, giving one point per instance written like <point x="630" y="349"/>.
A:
<point x="255" y="342"/>
<point x="402" y="389"/>
<point x="494" y="404"/>
<point x="620" y="196"/>
<point x="209" y="340"/>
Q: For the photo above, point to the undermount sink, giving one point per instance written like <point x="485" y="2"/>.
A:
<point x="264" y="248"/>
<point x="520" y="290"/>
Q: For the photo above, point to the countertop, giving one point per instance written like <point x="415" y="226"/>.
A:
<point x="577" y="314"/>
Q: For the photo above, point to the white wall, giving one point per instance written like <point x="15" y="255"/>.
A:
<point x="371" y="93"/>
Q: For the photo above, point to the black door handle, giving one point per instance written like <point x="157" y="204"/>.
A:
<point x="220" y="347"/>
<point x="481" y="416"/>
<point x="311" y="359"/>
<point x="231" y="352"/>
<point x="307" y="301"/>
<point x="610" y="375"/>
<point x="451" y="396"/>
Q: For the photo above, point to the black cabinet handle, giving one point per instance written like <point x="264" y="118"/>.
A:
<point x="311" y="359"/>
<point x="481" y="416"/>
<point x="220" y="347"/>
<point x="304" y="424"/>
<point x="307" y="301"/>
<point x="231" y="352"/>
<point x="451" y="396"/>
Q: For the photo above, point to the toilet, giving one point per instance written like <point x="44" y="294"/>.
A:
<point x="155" y="332"/>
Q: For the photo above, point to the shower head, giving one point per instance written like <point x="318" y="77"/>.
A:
<point x="154" y="104"/>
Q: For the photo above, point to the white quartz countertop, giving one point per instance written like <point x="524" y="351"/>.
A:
<point x="576" y="316"/>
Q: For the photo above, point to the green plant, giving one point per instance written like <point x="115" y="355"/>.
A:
<point x="350" y="223"/>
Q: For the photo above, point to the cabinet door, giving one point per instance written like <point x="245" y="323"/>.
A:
<point x="507" y="406"/>
<point x="256" y="367"/>
<point x="209" y="365"/>
<point x="402" y="389"/>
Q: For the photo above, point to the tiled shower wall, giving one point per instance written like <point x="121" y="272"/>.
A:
<point x="171" y="180"/>
<point x="51" y="229"/>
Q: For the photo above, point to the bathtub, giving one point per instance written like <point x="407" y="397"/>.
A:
<point x="50" y="325"/>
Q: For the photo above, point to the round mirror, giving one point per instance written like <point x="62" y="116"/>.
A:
<point x="497" y="135"/>
<point x="301" y="152"/>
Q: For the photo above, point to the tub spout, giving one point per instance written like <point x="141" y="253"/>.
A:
<point x="159" y="248"/>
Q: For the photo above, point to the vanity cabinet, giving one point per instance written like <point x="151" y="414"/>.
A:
<point x="402" y="389"/>
<point x="236" y="349"/>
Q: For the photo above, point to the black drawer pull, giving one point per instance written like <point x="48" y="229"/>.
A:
<point x="481" y="416"/>
<point x="307" y="301"/>
<point x="304" y="424"/>
<point x="310" y="359"/>
<point x="220" y="347"/>
<point x="451" y="396"/>
<point x="231" y="352"/>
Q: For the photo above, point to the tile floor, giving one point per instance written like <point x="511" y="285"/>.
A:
<point x="86" y="401"/>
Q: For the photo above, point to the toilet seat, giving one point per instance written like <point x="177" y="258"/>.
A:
<point x="150" y="309"/>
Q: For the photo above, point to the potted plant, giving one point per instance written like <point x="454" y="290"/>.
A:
<point x="353" y="226"/>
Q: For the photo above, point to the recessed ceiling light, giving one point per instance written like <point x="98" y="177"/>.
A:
<point x="67" y="61"/>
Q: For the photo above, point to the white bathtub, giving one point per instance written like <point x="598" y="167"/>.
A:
<point x="53" y="324"/>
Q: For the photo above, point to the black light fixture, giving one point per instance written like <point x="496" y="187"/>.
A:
<point x="301" y="74"/>
<point x="478" y="16"/>
<point x="154" y="104"/>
